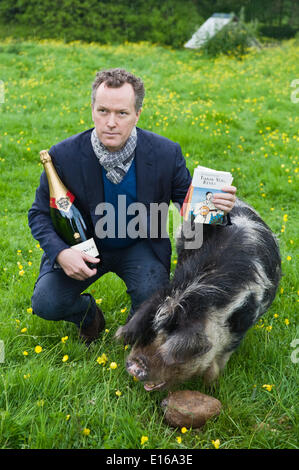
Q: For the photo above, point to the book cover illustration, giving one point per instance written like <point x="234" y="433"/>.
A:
<point x="198" y="203"/>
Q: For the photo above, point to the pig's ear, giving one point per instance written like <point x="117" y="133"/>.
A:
<point x="182" y="346"/>
<point x="139" y="327"/>
<point x="137" y="330"/>
<point x="120" y="333"/>
<point x="126" y="335"/>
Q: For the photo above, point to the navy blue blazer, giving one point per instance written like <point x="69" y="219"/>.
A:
<point x="161" y="176"/>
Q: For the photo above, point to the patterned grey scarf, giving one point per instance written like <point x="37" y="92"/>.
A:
<point x="116" y="163"/>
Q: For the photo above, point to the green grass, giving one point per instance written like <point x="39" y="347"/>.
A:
<point x="226" y="114"/>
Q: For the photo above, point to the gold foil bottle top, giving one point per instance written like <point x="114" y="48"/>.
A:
<point x="76" y="235"/>
<point x="44" y="156"/>
<point x="59" y="194"/>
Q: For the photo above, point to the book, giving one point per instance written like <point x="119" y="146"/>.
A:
<point x="198" y="203"/>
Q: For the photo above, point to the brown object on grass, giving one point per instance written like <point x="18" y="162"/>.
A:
<point x="189" y="408"/>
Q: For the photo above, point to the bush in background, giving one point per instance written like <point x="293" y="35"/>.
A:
<point x="235" y="39"/>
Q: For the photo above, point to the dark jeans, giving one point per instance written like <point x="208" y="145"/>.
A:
<point x="57" y="296"/>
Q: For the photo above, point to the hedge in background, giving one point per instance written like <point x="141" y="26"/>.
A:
<point x="170" y="22"/>
<point x="278" y="32"/>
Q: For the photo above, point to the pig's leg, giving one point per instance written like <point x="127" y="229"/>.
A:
<point x="217" y="365"/>
<point x="211" y="373"/>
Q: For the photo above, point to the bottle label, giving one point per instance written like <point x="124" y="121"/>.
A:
<point x="63" y="203"/>
<point x="89" y="247"/>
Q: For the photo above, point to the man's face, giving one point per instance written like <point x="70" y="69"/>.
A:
<point x="114" y="115"/>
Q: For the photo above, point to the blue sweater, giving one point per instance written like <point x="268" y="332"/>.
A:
<point x="161" y="176"/>
<point x="127" y="188"/>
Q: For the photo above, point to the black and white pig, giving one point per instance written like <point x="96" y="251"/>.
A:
<point x="192" y="326"/>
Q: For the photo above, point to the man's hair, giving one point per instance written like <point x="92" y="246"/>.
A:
<point x="115" y="78"/>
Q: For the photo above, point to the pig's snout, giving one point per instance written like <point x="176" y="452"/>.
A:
<point x="137" y="367"/>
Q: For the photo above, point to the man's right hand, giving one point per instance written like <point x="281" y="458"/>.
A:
<point x="73" y="263"/>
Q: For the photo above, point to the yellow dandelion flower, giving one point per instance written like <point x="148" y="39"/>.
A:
<point x="38" y="349"/>
<point x="216" y="443"/>
<point x="22" y="272"/>
<point x="289" y="258"/>
<point x="29" y="310"/>
<point x="275" y="315"/>
<point x="179" y="439"/>
<point x="64" y="339"/>
<point x="65" y="358"/>
<point x="99" y="301"/>
<point x="25" y="353"/>
<point x="123" y="310"/>
<point x="29" y="263"/>
<point x="285" y="217"/>
<point x="67" y="417"/>
<point x="26" y="376"/>
<point x="269" y="328"/>
<point x="113" y="365"/>
<point x="23" y="330"/>
<point x="184" y="430"/>
<point x="102" y="359"/>
<point x="268" y="387"/>
<point x="118" y="393"/>
<point x="287" y="321"/>
<point x="86" y="432"/>
<point x="143" y="440"/>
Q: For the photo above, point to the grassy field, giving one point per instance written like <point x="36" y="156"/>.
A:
<point x="226" y="114"/>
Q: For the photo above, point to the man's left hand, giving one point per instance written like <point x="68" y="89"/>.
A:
<point x="226" y="200"/>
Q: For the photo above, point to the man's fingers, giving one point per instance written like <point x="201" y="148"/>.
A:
<point x="229" y="189"/>
<point x="86" y="272"/>
<point x="73" y="262"/>
<point x="225" y="200"/>
<point x="222" y="207"/>
<point x="89" y="258"/>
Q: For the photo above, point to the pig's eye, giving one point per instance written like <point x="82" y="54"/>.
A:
<point x="180" y="348"/>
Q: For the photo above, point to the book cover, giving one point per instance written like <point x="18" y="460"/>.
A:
<point x="198" y="201"/>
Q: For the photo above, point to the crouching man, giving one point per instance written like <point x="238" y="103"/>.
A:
<point x="114" y="158"/>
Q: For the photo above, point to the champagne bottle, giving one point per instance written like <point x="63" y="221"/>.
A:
<point x="66" y="217"/>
